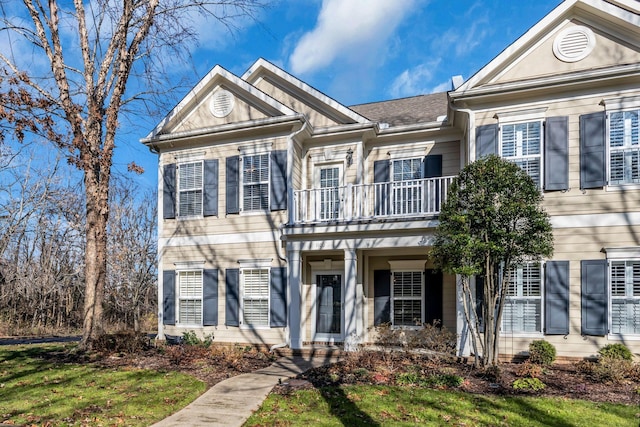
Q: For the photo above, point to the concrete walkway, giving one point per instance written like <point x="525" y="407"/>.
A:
<point x="230" y="402"/>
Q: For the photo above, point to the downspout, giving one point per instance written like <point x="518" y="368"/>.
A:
<point x="291" y="219"/>
<point x="462" y="332"/>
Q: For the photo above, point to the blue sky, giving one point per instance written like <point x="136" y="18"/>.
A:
<point x="356" y="51"/>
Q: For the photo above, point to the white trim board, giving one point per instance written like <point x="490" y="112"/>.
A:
<point x="596" y="220"/>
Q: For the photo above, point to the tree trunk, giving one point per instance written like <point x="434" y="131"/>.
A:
<point x="97" y="193"/>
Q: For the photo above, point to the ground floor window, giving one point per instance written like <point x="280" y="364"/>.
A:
<point x="523" y="307"/>
<point x="407" y="298"/>
<point x="255" y="296"/>
<point x="625" y="297"/>
<point x="190" y="297"/>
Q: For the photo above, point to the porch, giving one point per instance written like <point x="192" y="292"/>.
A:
<point x="376" y="201"/>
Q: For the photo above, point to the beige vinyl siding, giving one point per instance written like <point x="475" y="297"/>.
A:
<point x="541" y="61"/>
<point x="315" y="117"/>
<point x="201" y="116"/>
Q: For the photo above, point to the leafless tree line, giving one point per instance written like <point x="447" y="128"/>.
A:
<point x="42" y="248"/>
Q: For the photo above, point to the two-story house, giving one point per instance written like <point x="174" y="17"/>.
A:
<point x="288" y="218"/>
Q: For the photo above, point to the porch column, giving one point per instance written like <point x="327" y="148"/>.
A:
<point x="462" y="328"/>
<point x="351" y="337"/>
<point x="295" y="298"/>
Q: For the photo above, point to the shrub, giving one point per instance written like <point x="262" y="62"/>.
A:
<point x="190" y="338"/>
<point x="445" y="380"/>
<point x="529" y="369"/>
<point x="528" y="384"/>
<point x="427" y="336"/>
<point x="616" y="352"/>
<point x="542" y="352"/>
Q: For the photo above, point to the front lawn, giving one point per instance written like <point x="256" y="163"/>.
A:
<point x="358" y="405"/>
<point x="44" y="385"/>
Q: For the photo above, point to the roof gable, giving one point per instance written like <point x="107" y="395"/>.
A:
<point x="614" y="24"/>
<point x="196" y="109"/>
<point x="299" y="96"/>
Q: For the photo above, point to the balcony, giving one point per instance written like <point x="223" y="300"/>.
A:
<point x="385" y="200"/>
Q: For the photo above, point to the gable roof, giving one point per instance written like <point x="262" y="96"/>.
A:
<point x="623" y="14"/>
<point x="405" y="111"/>
<point x="218" y="74"/>
<point x="301" y="90"/>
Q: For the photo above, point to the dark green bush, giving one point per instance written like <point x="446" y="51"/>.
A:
<point x="616" y="352"/>
<point x="528" y="384"/>
<point x="542" y="352"/>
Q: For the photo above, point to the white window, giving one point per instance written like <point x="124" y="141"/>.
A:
<point x="523" y="307"/>
<point x="255" y="296"/>
<point x="407" y="298"/>
<point x="521" y="143"/>
<point x="406" y="175"/>
<point x="190" y="189"/>
<point x="624" y="147"/>
<point x="625" y="297"/>
<point x="329" y="193"/>
<point x="255" y="182"/>
<point x="190" y="297"/>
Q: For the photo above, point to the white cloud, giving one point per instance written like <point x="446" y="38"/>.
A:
<point x="348" y="29"/>
<point x="416" y="81"/>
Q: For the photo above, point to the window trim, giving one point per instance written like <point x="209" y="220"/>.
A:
<point x="261" y="264"/>
<point x="625" y="254"/>
<point x="421" y="297"/>
<point x="189" y="269"/>
<point x="317" y="171"/>
<point x="181" y="163"/>
<point x="526" y="119"/>
<point x="541" y="298"/>
<point x="254" y="153"/>
<point x="622" y="107"/>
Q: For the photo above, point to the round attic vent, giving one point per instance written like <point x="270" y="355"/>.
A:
<point x="221" y="103"/>
<point x="574" y="44"/>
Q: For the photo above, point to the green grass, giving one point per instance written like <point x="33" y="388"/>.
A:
<point x="409" y="406"/>
<point x="35" y="389"/>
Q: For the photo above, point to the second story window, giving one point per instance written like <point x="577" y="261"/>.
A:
<point x="521" y="143"/>
<point x="407" y="187"/>
<point x="624" y="147"/>
<point x="255" y="182"/>
<point x="190" y="189"/>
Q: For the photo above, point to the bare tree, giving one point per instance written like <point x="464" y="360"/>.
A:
<point x="113" y="43"/>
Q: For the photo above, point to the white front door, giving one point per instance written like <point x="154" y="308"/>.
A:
<point x="329" y="302"/>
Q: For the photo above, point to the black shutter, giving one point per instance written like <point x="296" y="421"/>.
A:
<point x="381" y="297"/>
<point x="556" y="298"/>
<point x="210" y="196"/>
<point x="556" y="154"/>
<point x="278" y="297"/>
<point x="592" y="150"/>
<point x="169" y="297"/>
<point x="594" y="297"/>
<point x="278" y="187"/>
<point x="232" y="287"/>
<point x="233" y="184"/>
<point x="432" y="166"/>
<point x="169" y="191"/>
<point x="486" y="140"/>
<point x="433" y="297"/>
<point x="381" y="175"/>
<point x="210" y="297"/>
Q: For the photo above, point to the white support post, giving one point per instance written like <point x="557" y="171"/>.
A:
<point x="351" y="337"/>
<point x="295" y="299"/>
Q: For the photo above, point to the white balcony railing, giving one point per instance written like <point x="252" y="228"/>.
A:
<point x="419" y="197"/>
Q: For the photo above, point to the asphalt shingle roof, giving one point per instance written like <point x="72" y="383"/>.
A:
<point x="405" y="111"/>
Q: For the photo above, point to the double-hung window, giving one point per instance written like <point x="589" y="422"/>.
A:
<point x="255" y="296"/>
<point x="190" y="297"/>
<point x="521" y="143"/>
<point x="625" y="296"/>
<point x="407" y="196"/>
<point x="190" y="189"/>
<point x="407" y="300"/>
<point x="255" y="182"/>
<point x="523" y="306"/>
<point x="624" y="147"/>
